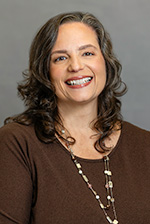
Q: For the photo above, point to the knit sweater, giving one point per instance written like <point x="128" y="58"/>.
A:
<point x="39" y="183"/>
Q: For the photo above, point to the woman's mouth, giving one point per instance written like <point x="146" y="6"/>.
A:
<point x="78" y="83"/>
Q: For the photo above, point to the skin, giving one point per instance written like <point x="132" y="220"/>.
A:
<point x="76" y="55"/>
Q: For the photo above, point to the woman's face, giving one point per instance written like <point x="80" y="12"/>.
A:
<point x="77" y="66"/>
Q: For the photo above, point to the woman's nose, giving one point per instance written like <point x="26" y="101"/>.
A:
<point x="75" y="64"/>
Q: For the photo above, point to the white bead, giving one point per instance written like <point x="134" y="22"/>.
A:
<point x="85" y="178"/>
<point x="108" y="172"/>
<point x="115" y="221"/>
<point x="63" y="131"/>
<point x="109" y="219"/>
<point x="102" y="206"/>
<point x="110" y="183"/>
<point x="97" y="196"/>
<point x="108" y="197"/>
<point x="78" y="165"/>
<point x="80" y="172"/>
<point x="112" y="200"/>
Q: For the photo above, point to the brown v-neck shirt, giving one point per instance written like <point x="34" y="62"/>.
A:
<point x="39" y="184"/>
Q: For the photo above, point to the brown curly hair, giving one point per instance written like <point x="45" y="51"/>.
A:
<point x="38" y="92"/>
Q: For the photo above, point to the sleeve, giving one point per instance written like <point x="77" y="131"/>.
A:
<point x="15" y="178"/>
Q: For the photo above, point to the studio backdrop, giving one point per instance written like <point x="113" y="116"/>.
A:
<point x="127" y="21"/>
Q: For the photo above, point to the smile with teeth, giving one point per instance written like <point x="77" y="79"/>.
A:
<point x="79" y="81"/>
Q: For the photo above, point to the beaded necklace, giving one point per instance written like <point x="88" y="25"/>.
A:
<point x="108" y="185"/>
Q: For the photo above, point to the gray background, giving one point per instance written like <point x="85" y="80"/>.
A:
<point x="127" y="21"/>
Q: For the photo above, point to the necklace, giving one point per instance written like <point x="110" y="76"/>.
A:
<point x="108" y="184"/>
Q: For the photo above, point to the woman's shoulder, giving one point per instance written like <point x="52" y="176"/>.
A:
<point x="16" y="127"/>
<point x="16" y="131"/>
<point x="132" y="131"/>
<point x="132" y="127"/>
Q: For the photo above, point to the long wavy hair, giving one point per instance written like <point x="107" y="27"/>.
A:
<point x="38" y="93"/>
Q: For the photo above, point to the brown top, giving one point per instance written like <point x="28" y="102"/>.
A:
<point x="39" y="183"/>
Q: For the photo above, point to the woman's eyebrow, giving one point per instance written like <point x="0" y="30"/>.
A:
<point x="80" y="48"/>
<point x="59" y="52"/>
<point x="87" y="46"/>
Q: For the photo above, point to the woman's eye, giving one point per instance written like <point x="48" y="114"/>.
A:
<point x="61" y="58"/>
<point x="88" y="54"/>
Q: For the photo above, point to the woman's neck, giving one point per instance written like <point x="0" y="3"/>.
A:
<point x="77" y="120"/>
<point x="77" y="116"/>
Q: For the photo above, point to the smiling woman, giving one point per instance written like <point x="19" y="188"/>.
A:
<point x="77" y="62"/>
<point x="70" y="157"/>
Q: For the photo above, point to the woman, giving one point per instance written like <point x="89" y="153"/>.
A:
<point x="70" y="158"/>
